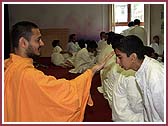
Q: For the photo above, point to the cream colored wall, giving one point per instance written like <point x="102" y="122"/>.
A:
<point x="86" y="20"/>
<point x="156" y="21"/>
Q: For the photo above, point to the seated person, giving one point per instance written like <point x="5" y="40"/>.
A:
<point x="73" y="46"/>
<point x="149" y="51"/>
<point x="102" y="43"/>
<point x="58" y="56"/>
<point x="158" y="47"/>
<point x="83" y="59"/>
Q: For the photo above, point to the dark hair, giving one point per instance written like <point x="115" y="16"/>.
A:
<point x="148" y="51"/>
<point x="81" y="43"/>
<point x="55" y="43"/>
<point x="131" y="23"/>
<point x="131" y="44"/>
<point x="101" y="33"/>
<point x="110" y="37"/>
<point x="22" y="29"/>
<point x="92" y="44"/>
<point x="114" y="38"/>
<point x="156" y="36"/>
<point x="136" y="22"/>
<point x="71" y="37"/>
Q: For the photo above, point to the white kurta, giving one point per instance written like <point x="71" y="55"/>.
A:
<point x="150" y="78"/>
<point x="73" y="47"/>
<point x="56" y="57"/>
<point x="82" y="62"/>
<point x="126" y="31"/>
<point x="103" y="73"/>
<point x="120" y="90"/>
<point x="140" y="32"/>
<point x="127" y="101"/>
<point x="158" y="48"/>
<point x="101" y="45"/>
<point x="106" y="51"/>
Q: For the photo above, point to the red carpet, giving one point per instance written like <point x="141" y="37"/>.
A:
<point x="101" y="111"/>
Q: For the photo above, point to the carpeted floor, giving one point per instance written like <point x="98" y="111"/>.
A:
<point x="101" y="111"/>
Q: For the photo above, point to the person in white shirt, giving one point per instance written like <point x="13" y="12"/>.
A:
<point x="119" y="88"/>
<point x="58" y="56"/>
<point x="149" y="75"/>
<point x="83" y="59"/>
<point x="102" y="42"/>
<point x="157" y="46"/>
<point x="73" y="46"/>
<point x="130" y="25"/>
<point x="138" y="31"/>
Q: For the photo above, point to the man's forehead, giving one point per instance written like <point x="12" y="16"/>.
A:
<point x="119" y="53"/>
<point x="36" y="31"/>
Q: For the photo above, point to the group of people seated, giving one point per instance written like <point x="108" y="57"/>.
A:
<point x="79" y="55"/>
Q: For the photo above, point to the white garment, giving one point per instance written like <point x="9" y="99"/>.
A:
<point x="83" y="61"/>
<point x="127" y="102"/>
<point x="158" y="48"/>
<point x="120" y="89"/>
<point x="107" y="68"/>
<point x="121" y="92"/>
<point x="140" y="32"/>
<point x="73" y="47"/>
<point x="150" y="78"/>
<point x="126" y="31"/>
<point x="101" y="45"/>
<point x="108" y="77"/>
<point x="103" y="73"/>
<point x="107" y="49"/>
<point x="56" y="57"/>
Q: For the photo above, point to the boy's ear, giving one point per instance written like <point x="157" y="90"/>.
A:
<point x="23" y="43"/>
<point x="133" y="57"/>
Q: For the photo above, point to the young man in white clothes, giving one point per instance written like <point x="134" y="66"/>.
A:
<point x="149" y="75"/>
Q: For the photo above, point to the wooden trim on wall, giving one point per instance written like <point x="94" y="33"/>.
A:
<point x="48" y="35"/>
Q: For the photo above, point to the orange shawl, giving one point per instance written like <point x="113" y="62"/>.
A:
<point x="31" y="96"/>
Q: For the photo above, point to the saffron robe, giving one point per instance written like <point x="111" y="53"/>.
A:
<point x="32" y="96"/>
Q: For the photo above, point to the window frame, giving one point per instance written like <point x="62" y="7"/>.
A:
<point x="128" y="18"/>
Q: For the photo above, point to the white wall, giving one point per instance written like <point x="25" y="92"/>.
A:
<point x="156" y="21"/>
<point x="87" y="21"/>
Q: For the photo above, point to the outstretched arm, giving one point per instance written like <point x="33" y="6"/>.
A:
<point x="100" y="65"/>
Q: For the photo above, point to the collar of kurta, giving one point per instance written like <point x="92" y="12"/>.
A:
<point x="143" y="65"/>
<point x="14" y="58"/>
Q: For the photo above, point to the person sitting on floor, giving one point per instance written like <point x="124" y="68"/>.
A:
<point x="83" y="59"/>
<point x="58" y="56"/>
<point x="73" y="45"/>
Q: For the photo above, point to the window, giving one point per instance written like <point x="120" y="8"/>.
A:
<point x="124" y="13"/>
